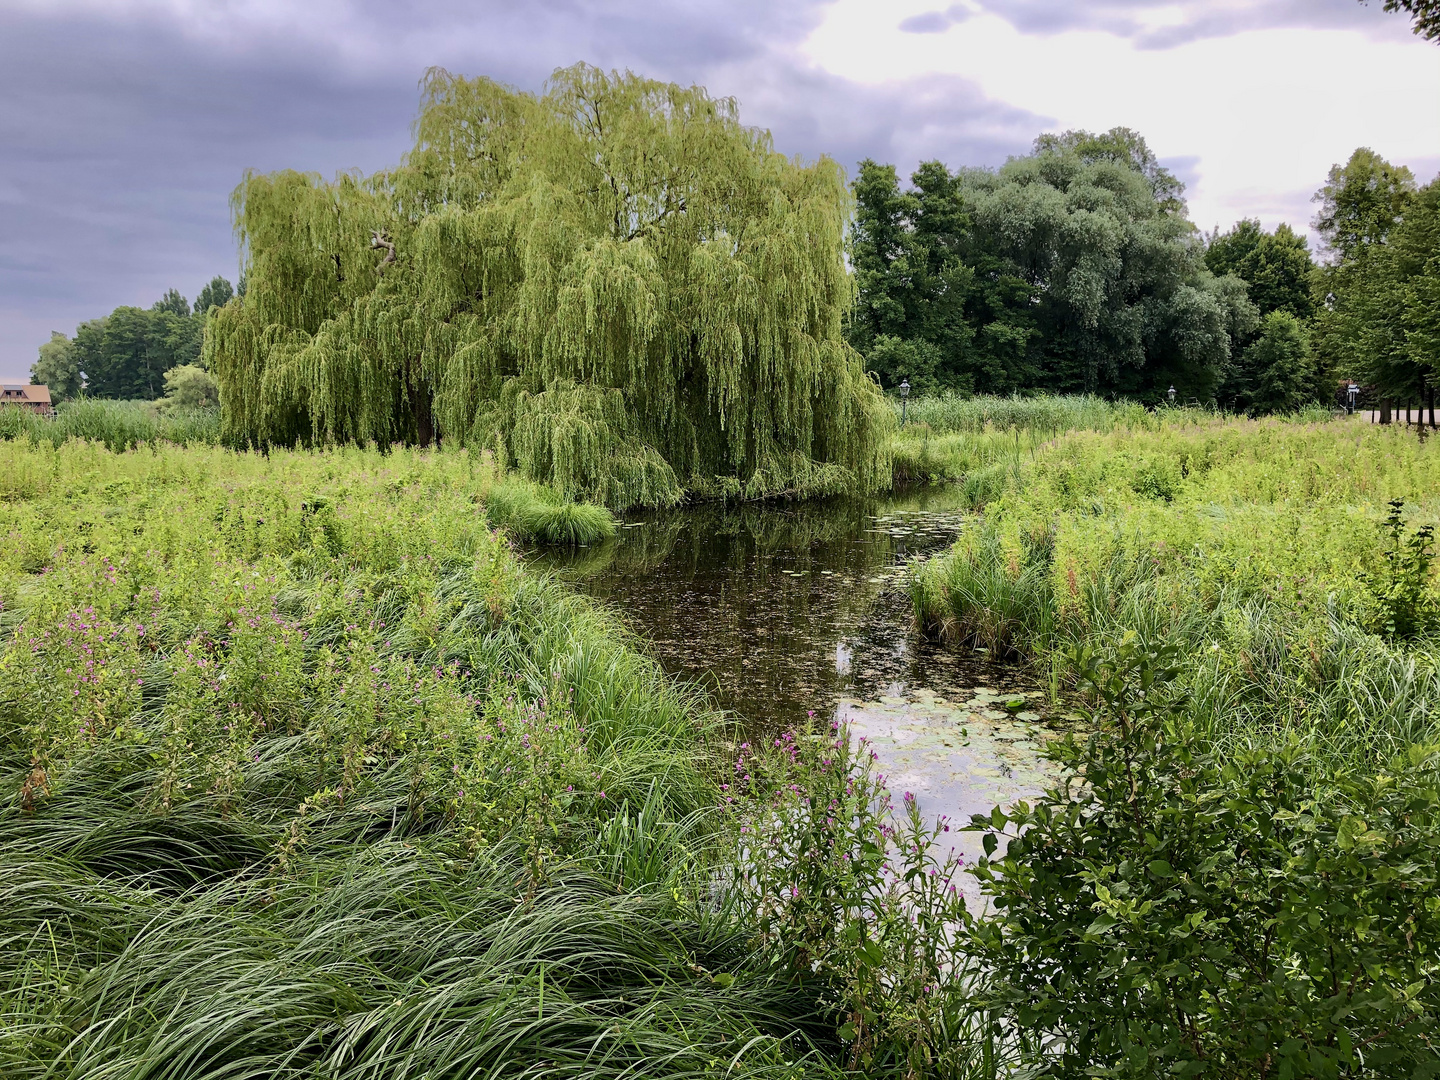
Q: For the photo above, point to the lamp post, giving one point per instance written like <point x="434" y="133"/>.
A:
<point x="1171" y="395"/>
<point x="1353" y="393"/>
<point x="904" y="399"/>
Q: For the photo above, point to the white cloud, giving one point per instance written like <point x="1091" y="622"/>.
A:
<point x="1262" y="113"/>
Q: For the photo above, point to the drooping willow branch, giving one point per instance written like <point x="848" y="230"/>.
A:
<point x="616" y="287"/>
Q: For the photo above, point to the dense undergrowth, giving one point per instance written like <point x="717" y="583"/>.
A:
<point x="1258" y="547"/>
<point x="1237" y="877"/>
<point x="305" y="776"/>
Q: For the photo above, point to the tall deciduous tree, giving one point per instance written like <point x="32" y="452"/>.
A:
<point x="1361" y="327"/>
<point x="1276" y="267"/>
<point x="616" y="286"/>
<point x="58" y="367"/>
<point x="217" y="293"/>
<point x="1275" y="373"/>
<point x="1071" y="269"/>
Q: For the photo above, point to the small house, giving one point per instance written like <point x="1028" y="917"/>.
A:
<point x="34" y="398"/>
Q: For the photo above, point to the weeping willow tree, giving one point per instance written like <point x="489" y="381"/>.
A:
<point x="615" y="286"/>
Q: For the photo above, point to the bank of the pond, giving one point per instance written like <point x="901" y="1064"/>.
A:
<point x="1237" y="875"/>
<point x="1258" y="547"/>
<point x="306" y="775"/>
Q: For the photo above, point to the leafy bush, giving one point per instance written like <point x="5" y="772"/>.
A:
<point x="1407" y="607"/>
<point x="1174" y="910"/>
<point x="189" y="386"/>
<point x="856" y="902"/>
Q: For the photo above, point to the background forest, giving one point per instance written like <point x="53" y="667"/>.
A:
<point x="1074" y="269"/>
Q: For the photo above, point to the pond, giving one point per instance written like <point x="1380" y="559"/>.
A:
<point x="784" y="609"/>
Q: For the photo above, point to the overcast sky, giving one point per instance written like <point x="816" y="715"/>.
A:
<point x="125" y="124"/>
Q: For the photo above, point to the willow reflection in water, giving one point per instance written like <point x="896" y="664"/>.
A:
<point x="782" y="610"/>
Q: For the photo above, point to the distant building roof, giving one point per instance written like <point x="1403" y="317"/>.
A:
<point x="35" y="395"/>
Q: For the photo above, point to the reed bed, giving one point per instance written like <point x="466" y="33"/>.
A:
<point x="118" y="425"/>
<point x="1255" y="546"/>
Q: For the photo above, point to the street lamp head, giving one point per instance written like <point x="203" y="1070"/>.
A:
<point x="1171" y="395"/>
<point x="905" y="388"/>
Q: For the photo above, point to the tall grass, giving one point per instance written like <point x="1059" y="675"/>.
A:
<point x="1249" y="544"/>
<point x="531" y="512"/>
<point x="304" y="775"/>
<point x="983" y="441"/>
<point x="949" y="413"/>
<point x="118" y="425"/>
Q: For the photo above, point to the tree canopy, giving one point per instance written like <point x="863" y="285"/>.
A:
<point x="1380" y="301"/>
<point x="126" y="354"/>
<point x="58" y="367"/>
<point x="616" y="286"/>
<point x="1276" y="267"/>
<point x="1073" y="269"/>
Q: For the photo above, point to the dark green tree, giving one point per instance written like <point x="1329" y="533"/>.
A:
<point x="1415" y="272"/>
<point x="1072" y="269"/>
<point x="1276" y="267"/>
<point x="173" y="303"/>
<point x="217" y="293"/>
<point x="1275" y="372"/>
<point x="1361" y="202"/>
<point x="126" y="353"/>
<point x="1363" y="294"/>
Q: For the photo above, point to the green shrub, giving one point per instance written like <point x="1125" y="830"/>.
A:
<point x="1173" y="910"/>
<point x="1407" y="607"/>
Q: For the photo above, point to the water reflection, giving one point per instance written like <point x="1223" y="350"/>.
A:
<point x="784" y="609"/>
<point x="781" y="610"/>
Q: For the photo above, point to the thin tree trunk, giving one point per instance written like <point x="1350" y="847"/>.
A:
<point x="1430" y="391"/>
<point x="1385" y="416"/>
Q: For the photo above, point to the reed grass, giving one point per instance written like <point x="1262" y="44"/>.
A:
<point x="529" y="511"/>
<point x="1249" y="544"/>
<point x="117" y="425"/>
<point x="304" y="775"/>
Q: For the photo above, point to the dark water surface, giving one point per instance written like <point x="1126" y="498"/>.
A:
<point x="785" y="609"/>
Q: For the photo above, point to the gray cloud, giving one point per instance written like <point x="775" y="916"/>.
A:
<point x="935" y="22"/>
<point x="126" y="125"/>
<point x="1136" y="19"/>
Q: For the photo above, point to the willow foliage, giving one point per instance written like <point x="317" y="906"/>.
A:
<point x="616" y="286"/>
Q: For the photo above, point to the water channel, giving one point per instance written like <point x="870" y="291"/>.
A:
<point x="784" y="609"/>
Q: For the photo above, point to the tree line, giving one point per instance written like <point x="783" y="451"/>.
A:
<point x="1075" y="269"/>
<point x="129" y="353"/>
